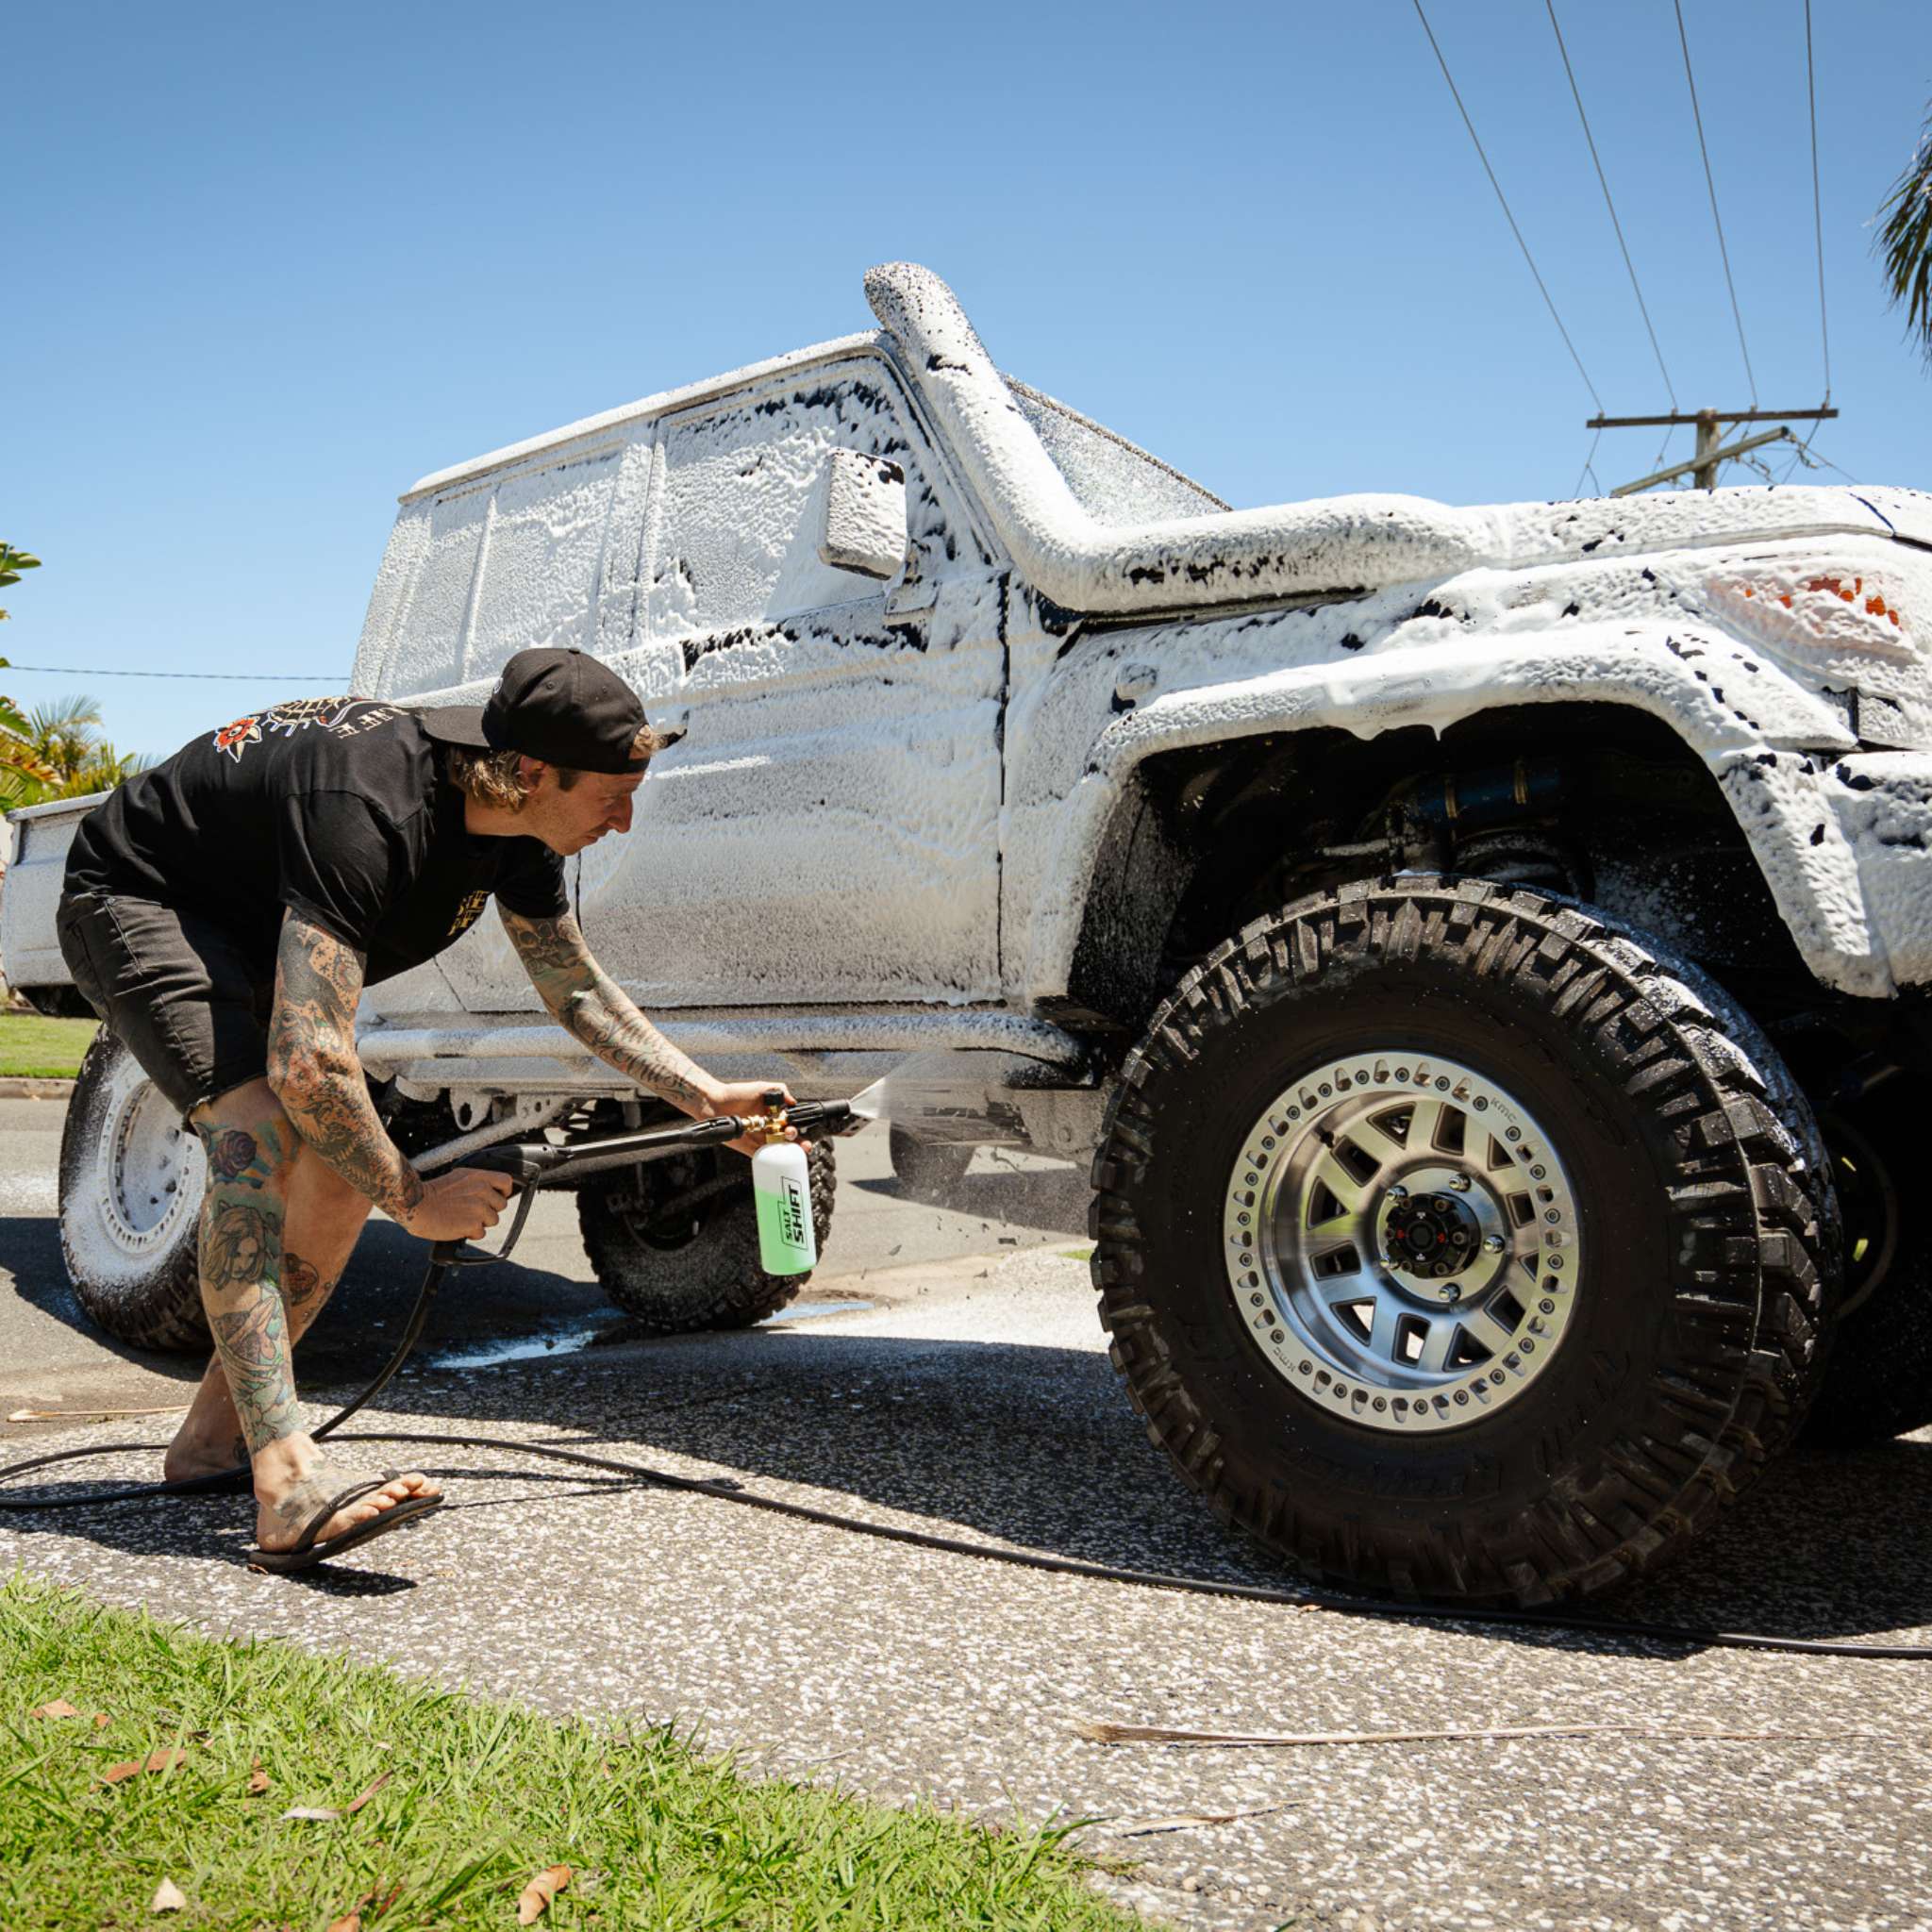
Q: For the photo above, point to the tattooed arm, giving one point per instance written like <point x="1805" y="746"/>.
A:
<point x="589" y="1004"/>
<point x="315" y="1072"/>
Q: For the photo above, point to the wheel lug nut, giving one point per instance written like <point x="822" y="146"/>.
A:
<point x="1493" y="1244"/>
<point x="1398" y="1192"/>
<point x="1459" y="1184"/>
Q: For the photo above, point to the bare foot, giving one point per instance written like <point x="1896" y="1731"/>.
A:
<point x="284" y="1513"/>
<point x="196" y="1451"/>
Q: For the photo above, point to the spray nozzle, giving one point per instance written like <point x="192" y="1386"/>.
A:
<point x="826" y="1116"/>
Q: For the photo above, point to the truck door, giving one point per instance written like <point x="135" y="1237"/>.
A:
<point x="829" y="830"/>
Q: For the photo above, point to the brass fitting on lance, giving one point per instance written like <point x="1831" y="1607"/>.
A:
<point x="771" y="1122"/>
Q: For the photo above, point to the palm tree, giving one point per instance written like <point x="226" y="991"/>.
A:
<point x="63" y="733"/>
<point x="24" y="778"/>
<point x="57" y="751"/>
<point x="1906" y="241"/>
<point x="101" y="770"/>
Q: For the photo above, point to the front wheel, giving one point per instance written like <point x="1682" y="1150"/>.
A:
<point x="1452" y="1243"/>
<point x="675" y="1243"/>
<point x="133" y="1173"/>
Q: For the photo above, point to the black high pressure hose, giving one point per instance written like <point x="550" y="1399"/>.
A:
<point x="534" y="1165"/>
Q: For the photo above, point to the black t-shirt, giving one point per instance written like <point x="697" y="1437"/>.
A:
<point x="336" y="809"/>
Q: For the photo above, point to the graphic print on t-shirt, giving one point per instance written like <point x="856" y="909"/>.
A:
<point x="235" y="738"/>
<point x="342" y="716"/>
<point x="467" y="914"/>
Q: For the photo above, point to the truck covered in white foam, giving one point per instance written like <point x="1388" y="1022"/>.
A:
<point x="1482" y="952"/>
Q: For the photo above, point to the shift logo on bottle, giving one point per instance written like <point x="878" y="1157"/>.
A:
<point x="792" y="1214"/>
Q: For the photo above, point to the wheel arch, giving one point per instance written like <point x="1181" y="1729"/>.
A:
<point x="1154" y="825"/>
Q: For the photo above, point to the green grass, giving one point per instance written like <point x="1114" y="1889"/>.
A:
<point x="49" y="1049"/>
<point x="481" y="1796"/>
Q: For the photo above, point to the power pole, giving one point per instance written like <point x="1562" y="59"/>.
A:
<point x="1711" y="452"/>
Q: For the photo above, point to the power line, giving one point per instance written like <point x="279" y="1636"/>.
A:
<point x="1816" y="225"/>
<point x="1812" y="460"/>
<point x="1589" y="468"/>
<point x="1505" y="201"/>
<point x="1817" y="204"/>
<point x="1603" y="179"/>
<point x="241" y="676"/>
<point x="1710" y="182"/>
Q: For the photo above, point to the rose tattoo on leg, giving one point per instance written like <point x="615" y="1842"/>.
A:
<point x="241" y="1255"/>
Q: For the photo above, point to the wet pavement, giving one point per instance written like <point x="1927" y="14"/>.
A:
<point x="970" y="1394"/>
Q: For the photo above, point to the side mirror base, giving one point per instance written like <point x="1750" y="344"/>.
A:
<point x="864" y="526"/>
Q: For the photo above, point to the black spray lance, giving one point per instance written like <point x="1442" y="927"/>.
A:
<point x="781" y="1181"/>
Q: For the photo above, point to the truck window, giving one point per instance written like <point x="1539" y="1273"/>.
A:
<point x="736" y="543"/>
<point x="539" y="567"/>
<point x="1113" y="481"/>
<point x="521" y="555"/>
<point x="432" y="565"/>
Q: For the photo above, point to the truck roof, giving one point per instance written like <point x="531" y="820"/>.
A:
<point x="1095" y="535"/>
<point x="645" y="405"/>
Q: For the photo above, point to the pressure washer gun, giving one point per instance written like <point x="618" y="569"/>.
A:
<point x="781" y="1183"/>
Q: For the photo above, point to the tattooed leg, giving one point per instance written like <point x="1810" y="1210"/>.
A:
<point x="260" y="1291"/>
<point x="323" y="1220"/>
<point x="251" y="1149"/>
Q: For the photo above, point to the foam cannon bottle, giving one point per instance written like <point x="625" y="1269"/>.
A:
<point x="781" y="1185"/>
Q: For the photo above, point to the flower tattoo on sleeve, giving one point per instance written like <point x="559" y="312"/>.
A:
<point x="231" y="1154"/>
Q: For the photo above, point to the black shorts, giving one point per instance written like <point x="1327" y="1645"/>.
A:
<point x="183" y="995"/>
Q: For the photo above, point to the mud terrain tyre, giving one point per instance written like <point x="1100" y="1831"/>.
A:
<point x="1324" y="1197"/>
<point x="132" y="1179"/>
<point x="1880" y="1381"/>
<point x="928" y="1167"/>
<point x="675" y="1243"/>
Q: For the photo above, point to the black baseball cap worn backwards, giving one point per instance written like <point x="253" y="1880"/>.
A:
<point x="562" y="707"/>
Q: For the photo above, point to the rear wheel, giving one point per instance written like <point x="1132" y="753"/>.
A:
<point x="1879" y="1380"/>
<point x="133" y="1173"/>
<point x="1452" y="1243"/>
<point x="675" y="1243"/>
<point x="934" y="1167"/>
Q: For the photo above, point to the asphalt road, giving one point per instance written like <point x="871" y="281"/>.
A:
<point x="547" y="1303"/>
<point x="970" y="1393"/>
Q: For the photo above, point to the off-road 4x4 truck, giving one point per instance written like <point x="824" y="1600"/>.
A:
<point x="1482" y="952"/>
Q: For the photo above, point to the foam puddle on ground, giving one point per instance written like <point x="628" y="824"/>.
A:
<point x="517" y="1348"/>
<point x="514" y="1348"/>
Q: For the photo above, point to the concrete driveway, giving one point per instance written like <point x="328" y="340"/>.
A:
<point x="970" y="1393"/>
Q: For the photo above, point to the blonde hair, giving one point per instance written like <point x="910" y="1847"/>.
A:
<point x="491" y="778"/>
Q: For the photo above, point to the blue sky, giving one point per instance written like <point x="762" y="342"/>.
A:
<point x="267" y="266"/>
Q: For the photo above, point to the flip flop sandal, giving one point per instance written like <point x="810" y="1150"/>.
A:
<point x="306" y="1551"/>
<point x="220" y="1482"/>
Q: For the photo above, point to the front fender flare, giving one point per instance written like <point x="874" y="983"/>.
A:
<point x="1769" y="744"/>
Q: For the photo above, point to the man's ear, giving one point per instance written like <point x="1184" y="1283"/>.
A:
<point x="530" y="775"/>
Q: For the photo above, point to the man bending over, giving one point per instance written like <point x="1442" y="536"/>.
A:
<point x="222" y="912"/>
